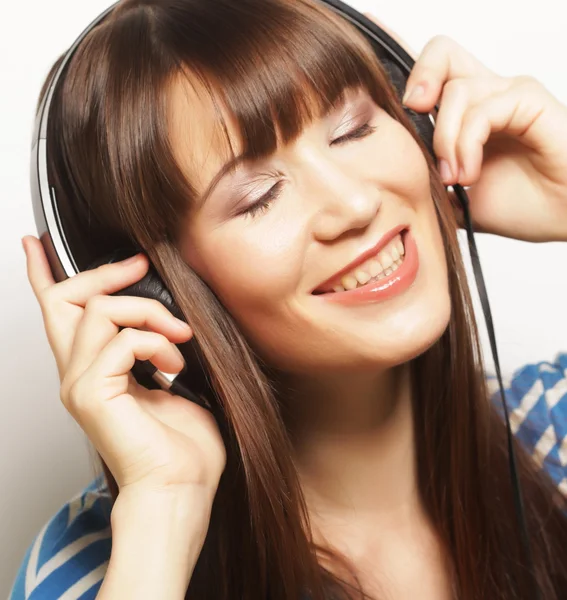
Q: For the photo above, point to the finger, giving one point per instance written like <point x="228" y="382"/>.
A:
<point x="118" y="357"/>
<point x="101" y="400"/>
<point x="103" y="317"/>
<point x="392" y="34"/>
<point x="458" y="96"/>
<point x="37" y="266"/>
<point x="454" y="102"/>
<point x="511" y="111"/>
<point x="105" y="279"/>
<point x="441" y="60"/>
<point x="107" y="377"/>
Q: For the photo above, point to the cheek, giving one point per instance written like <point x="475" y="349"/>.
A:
<point x="401" y="165"/>
<point x="254" y="273"/>
<point x="405" y="172"/>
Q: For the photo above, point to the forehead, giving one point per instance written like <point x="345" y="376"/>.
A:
<point x="197" y="137"/>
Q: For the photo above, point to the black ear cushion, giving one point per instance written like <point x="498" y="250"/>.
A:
<point x="421" y="121"/>
<point x="152" y="286"/>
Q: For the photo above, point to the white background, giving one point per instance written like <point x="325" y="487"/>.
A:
<point x="45" y="457"/>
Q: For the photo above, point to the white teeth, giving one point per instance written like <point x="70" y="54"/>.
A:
<point x="349" y="282"/>
<point x="374" y="267"/>
<point x="362" y="276"/>
<point x="380" y="266"/>
<point x="385" y="260"/>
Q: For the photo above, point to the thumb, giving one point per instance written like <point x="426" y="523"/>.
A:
<point x="37" y="265"/>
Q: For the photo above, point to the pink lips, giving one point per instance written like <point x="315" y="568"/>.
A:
<point x="377" y="291"/>
<point x="327" y="286"/>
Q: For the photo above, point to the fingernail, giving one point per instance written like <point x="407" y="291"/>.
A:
<point x="181" y="324"/>
<point x="445" y="170"/>
<point x="131" y="260"/>
<point x="179" y="354"/>
<point x="413" y="93"/>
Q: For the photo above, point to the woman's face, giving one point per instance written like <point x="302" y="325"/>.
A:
<point x="334" y="201"/>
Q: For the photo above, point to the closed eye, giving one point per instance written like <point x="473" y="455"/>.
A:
<point x="359" y="132"/>
<point x="264" y="202"/>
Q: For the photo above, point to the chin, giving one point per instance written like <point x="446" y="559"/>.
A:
<point x="363" y="345"/>
<point x="413" y="332"/>
<point x="403" y="336"/>
<point x="411" y="342"/>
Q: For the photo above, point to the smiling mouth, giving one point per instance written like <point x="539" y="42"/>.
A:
<point x="378" y="267"/>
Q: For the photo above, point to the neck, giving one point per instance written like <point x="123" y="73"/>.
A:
<point x="353" y="444"/>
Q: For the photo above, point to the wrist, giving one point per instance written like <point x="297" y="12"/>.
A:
<point x="156" y="540"/>
<point x="172" y="518"/>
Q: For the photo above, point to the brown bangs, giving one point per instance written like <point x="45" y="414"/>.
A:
<point x="276" y="71"/>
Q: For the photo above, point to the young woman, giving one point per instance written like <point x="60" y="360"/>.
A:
<point x="359" y="450"/>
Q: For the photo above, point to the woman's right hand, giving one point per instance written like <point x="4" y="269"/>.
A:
<point x="151" y="440"/>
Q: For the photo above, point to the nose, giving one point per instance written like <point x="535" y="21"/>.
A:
<point x="343" y="198"/>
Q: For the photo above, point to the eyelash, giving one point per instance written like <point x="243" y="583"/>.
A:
<point x="272" y="194"/>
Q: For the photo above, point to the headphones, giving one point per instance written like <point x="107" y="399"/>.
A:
<point x="192" y="383"/>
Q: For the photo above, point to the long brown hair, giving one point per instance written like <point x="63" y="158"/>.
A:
<point x="277" y="64"/>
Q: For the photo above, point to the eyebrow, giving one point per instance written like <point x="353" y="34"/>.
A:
<point x="234" y="162"/>
<point x="230" y="165"/>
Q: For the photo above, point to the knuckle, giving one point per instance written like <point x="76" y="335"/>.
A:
<point x="441" y="40"/>
<point x="455" y="86"/>
<point x="157" y="306"/>
<point x="46" y="298"/>
<point x="528" y="81"/>
<point x="524" y="78"/>
<point x="162" y="340"/>
<point x="71" y="395"/>
<point x="434" y="52"/>
<point x="129" y="335"/>
<point x="95" y="303"/>
<point x="64" y="390"/>
<point x="472" y="117"/>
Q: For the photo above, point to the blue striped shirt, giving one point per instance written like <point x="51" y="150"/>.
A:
<point x="68" y="558"/>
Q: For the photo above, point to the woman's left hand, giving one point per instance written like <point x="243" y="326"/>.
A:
<point x="505" y="137"/>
